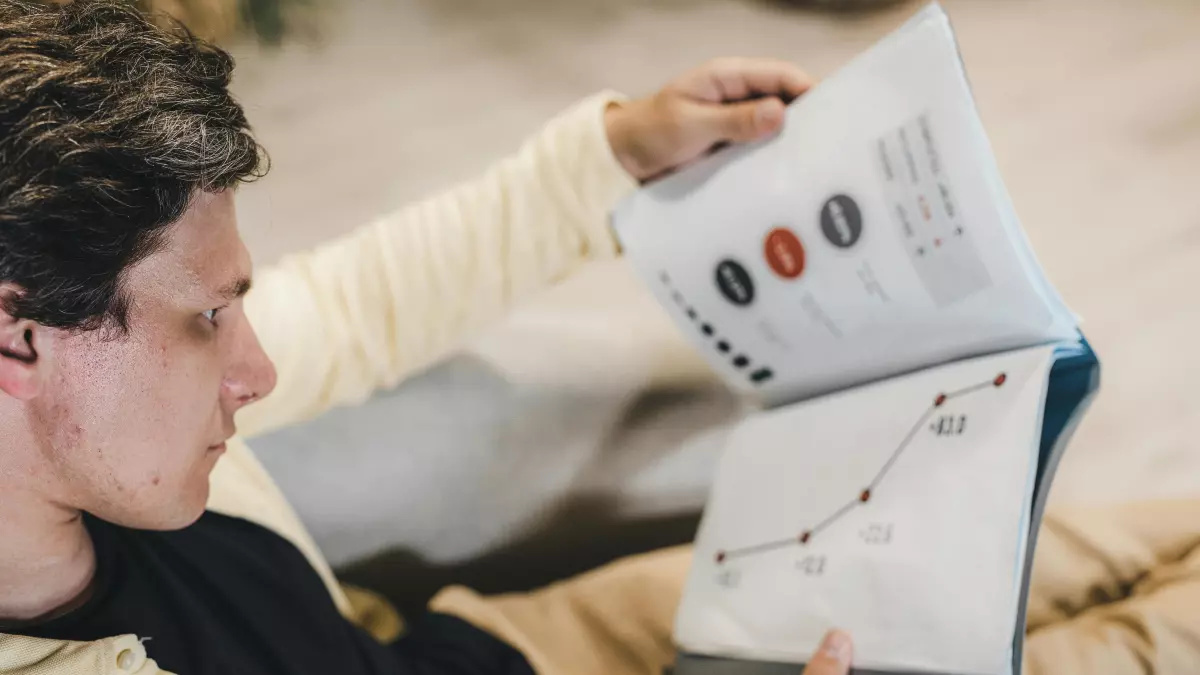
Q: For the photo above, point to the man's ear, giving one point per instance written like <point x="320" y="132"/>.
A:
<point x="19" y="367"/>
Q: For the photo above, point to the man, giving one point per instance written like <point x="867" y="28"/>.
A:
<point x="138" y="535"/>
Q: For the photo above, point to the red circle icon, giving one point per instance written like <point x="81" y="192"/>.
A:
<point x="785" y="253"/>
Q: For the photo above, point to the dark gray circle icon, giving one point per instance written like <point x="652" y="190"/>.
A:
<point x="841" y="221"/>
<point x="734" y="282"/>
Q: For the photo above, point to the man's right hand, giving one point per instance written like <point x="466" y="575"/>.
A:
<point x="833" y="657"/>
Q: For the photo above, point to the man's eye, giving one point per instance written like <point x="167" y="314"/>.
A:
<point x="210" y="314"/>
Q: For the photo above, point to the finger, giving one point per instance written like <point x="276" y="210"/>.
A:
<point x="833" y="657"/>
<point x="734" y="79"/>
<point x="740" y="122"/>
<point x="744" y="78"/>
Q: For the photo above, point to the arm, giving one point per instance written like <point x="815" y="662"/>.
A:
<point x="1117" y="590"/>
<point x="364" y="311"/>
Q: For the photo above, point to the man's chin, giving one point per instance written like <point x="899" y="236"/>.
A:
<point x="172" y="502"/>
<point x="191" y="508"/>
<point x="176" y="521"/>
<point x="173" y="517"/>
<point x="182" y="511"/>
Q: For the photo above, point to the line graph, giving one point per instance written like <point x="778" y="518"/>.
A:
<point x="864" y="497"/>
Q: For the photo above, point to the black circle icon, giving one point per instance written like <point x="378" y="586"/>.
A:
<point x="734" y="282"/>
<point x="841" y="221"/>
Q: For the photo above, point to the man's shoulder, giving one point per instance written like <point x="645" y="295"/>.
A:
<point x="21" y="655"/>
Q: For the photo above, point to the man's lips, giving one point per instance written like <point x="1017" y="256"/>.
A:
<point x="229" y="432"/>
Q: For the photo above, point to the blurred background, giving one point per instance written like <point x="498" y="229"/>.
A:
<point x="583" y="427"/>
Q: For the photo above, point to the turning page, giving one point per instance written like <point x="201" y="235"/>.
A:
<point x="872" y="236"/>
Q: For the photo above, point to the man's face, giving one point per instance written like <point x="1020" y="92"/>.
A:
<point x="132" y="424"/>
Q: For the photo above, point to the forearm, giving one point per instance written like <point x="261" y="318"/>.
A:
<point x="364" y="311"/>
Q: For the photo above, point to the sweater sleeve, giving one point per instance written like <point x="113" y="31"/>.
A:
<point x="364" y="311"/>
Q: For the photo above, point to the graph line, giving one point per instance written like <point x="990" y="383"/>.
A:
<point x="912" y="433"/>
<point x="864" y="497"/>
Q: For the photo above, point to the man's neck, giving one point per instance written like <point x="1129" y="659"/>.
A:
<point x="47" y="561"/>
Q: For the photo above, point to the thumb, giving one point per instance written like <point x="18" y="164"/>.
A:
<point x="743" y="121"/>
<point x="833" y="656"/>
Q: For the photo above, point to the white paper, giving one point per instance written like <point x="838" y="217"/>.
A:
<point x="923" y="570"/>
<point x="873" y="236"/>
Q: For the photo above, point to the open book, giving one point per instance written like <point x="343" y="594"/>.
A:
<point x="863" y="275"/>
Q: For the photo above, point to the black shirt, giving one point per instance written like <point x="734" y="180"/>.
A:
<point x="225" y="596"/>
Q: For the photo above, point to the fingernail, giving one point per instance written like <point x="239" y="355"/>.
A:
<point x="836" y="645"/>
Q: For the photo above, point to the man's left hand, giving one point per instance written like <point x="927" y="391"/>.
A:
<point x="724" y="101"/>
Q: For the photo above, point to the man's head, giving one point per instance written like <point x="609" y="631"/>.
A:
<point x="120" y="146"/>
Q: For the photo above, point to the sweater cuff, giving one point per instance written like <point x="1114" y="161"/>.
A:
<point x="605" y="182"/>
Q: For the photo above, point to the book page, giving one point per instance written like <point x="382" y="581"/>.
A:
<point x="872" y="236"/>
<point x="897" y="511"/>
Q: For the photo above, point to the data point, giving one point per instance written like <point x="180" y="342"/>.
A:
<point x="805" y="537"/>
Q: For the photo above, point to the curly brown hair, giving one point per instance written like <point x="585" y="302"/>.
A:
<point x="109" y="125"/>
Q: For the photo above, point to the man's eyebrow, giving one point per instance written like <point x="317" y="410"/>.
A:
<point x="235" y="289"/>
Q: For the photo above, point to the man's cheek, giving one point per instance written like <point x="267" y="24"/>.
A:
<point x="154" y="471"/>
<point x="187" y="376"/>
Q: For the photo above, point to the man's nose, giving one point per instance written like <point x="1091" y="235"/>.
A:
<point x="251" y="375"/>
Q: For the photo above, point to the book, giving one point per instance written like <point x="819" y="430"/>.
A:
<point x="863" y="278"/>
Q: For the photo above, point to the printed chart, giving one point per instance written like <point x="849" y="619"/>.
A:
<point x="926" y="209"/>
<point x="874" y="510"/>
<point x="946" y="425"/>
